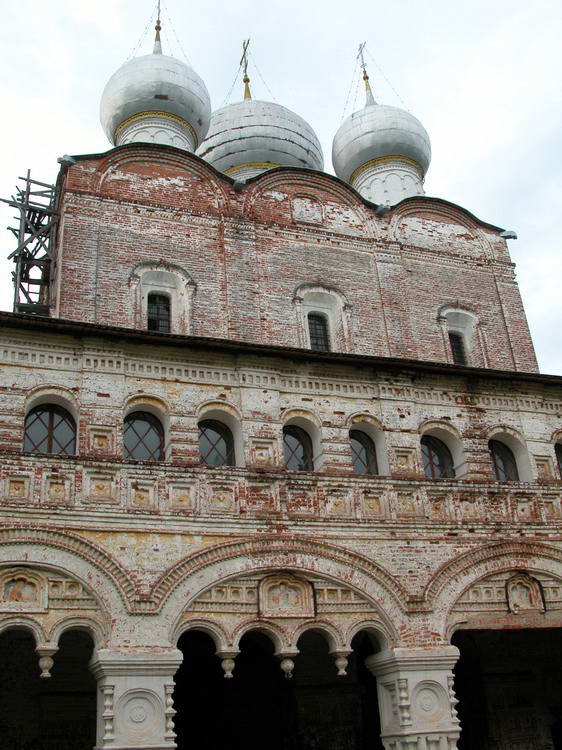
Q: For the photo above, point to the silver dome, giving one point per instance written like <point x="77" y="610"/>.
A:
<point x="377" y="131"/>
<point x="260" y="133"/>
<point x="155" y="83"/>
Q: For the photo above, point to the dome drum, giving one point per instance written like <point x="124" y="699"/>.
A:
<point x="388" y="180"/>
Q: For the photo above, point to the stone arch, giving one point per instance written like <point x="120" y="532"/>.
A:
<point x="73" y="556"/>
<point x="334" y="638"/>
<point x="25" y="622"/>
<point x="53" y="394"/>
<point x="375" y="630"/>
<point x="95" y="630"/>
<point x="213" y="629"/>
<point x="452" y="580"/>
<point x="230" y="416"/>
<point x="187" y="580"/>
<point x="275" y="633"/>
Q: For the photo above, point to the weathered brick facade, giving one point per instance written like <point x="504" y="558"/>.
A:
<point x="148" y="550"/>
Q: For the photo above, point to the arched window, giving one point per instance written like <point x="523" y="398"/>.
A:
<point x="363" y="453"/>
<point x="297" y="449"/>
<point x="158" y="313"/>
<point x="318" y="331"/>
<point x="558" y="451"/>
<point x="437" y="458"/>
<point x="216" y="444"/>
<point x="505" y="466"/>
<point x="143" y="437"/>
<point x="458" y="349"/>
<point x="50" y="429"/>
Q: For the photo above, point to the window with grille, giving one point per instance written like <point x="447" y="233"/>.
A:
<point x="158" y="313"/>
<point x="363" y="453"/>
<point x="458" y="349"/>
<point x="50" y="429"/>
<point x="437" y="458"/>
<point x="318" y="332"/>
<point x="558" y="451"/>
<point x="297" y="449"/>
<point x="216" y="444"/>
<point x="505" y="466"/>
<point x="143" y="437"/>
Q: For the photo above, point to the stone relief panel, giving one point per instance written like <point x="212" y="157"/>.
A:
<point x="511" y="592"/>
<point x="30" y="590"/>
<point x="101" y="440"/>
<point x="524" y="593"/>
<point x="101" y="487"/>
<point x="430" y="703"/>
<point x="182" y="496"/>
<point x="17" y="488"/>
<point x="263" y="452"/>
<point x="285" y="596"/>
<point x="139" y="717"/>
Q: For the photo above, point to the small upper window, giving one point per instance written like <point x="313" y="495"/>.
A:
<point x="50" y="429"/>
<point x="318" y="331"/>
<point x="437" y="458"/>
<point x="158" y="313"/>
<point x="216" y="444"/>
<point x="458" y="349"/>
<point x="143" y="437"/>
<point x="363" y="453"/>
<point x="505" y="466"/>
<point x="558" y="451"/>
<point x="297" y="449"/>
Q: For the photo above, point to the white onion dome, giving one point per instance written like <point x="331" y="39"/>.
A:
<point x="377" y="132"/>
<point x="251" y="136"/>
<point x="156" y="98"/>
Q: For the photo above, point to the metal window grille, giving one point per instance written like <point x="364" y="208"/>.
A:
<point x="216" y="444"/>
<point x="318" y="331"/>
<point x="437" y="459"/>
<point x="458" y="349"/>
<point x="363" y="453"/>
<point x="297" y="449"/>
<point x="505" y="465"/>
<point x="143" y="437"/>
<point x="158" y="313"/>
<point x="50" y="429"/>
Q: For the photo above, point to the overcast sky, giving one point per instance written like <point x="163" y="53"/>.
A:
<point x="483" y="76"/>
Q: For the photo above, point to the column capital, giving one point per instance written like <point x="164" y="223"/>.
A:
<point x="412" y="659"/>
<point x="108" y="662"/>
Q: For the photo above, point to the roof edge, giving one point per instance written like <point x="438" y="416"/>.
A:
<point x="78" y="328"/>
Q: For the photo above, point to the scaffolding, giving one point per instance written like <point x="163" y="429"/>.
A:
<point x="35" y="234"/>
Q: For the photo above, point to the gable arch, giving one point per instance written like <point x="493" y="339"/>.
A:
<point x="450" y="582"/>
<point x="188" y="579"/>
<point x="74" y="556"/>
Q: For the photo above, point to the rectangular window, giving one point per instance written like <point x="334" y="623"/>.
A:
<point x="318" y="331"/>
<point x="457" y="348"/>
<point x="158" y="313"/>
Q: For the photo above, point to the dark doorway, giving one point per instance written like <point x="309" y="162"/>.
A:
<point x="508" y="686"/>
<point x="315" y="710"/>
<point x="58" y="713"/>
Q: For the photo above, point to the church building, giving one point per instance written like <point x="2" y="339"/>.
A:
<point x="278" y="467"/>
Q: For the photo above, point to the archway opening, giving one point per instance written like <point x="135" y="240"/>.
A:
<point x="260" y="708"/>
<point x="507" y="683"/>
<point x="58" y="713"/>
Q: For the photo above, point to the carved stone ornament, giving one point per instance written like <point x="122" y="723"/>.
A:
<point x="285" y="596"/>
<point x="524" y="593"/>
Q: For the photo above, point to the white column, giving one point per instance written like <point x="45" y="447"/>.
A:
<point x="416" y="698"/>
<point x="135" y="708"/>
